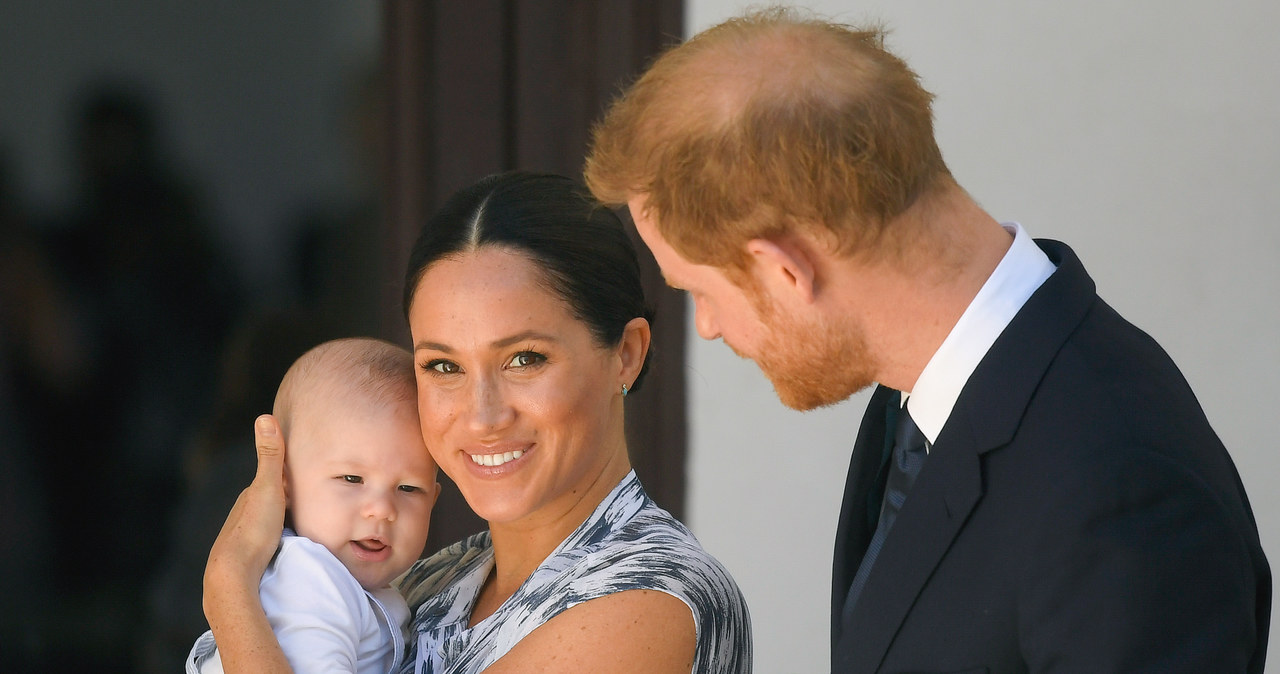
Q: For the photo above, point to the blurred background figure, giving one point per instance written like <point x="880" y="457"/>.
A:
<point x="36" y="363"/>
<point x="157" y="296"/>
<point x="117" y="316"/>
<point x="180" y="190"/>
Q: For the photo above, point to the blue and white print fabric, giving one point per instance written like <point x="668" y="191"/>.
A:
<point x="628" y="543"/>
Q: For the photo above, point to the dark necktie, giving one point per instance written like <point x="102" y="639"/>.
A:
<point x="909" y="452"/>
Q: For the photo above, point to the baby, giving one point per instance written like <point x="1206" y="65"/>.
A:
<point x="360" y="486"/>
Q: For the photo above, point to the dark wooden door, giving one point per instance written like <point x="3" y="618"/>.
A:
<point x="480" y="86"/>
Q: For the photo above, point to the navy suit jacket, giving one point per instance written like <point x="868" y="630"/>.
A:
<point x="1076" y="514"/>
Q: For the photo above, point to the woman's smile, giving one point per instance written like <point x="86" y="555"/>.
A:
<point x="496" y="460"/>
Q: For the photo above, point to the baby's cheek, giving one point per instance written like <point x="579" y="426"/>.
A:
<point x="314" y="522"/>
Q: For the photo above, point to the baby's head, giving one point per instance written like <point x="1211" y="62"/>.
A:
<point x="358" y="478"/>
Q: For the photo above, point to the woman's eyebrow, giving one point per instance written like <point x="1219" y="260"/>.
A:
<point x="527" y="335"/>
<point x="524" y="337"/>
<point x="432" y="346"/>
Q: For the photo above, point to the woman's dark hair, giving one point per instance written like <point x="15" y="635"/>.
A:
<point x="580" y="246"/>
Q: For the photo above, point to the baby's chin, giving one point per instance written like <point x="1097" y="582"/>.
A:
<point x="379" y="581"/>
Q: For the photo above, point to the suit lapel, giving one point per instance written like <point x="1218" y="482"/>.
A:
<point x="946" y="491"/>
<point x="949" y="487"/>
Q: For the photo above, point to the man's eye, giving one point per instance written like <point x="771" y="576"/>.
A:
<point x="526" y="359"/>
<point x="443" y="366"/>
<point x="353" y="479"/>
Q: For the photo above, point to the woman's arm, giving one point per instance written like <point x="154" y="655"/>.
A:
<point x="639" y="631"/>
<point x="238" y="559"/>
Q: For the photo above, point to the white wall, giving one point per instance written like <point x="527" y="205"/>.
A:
<point x="1145" y="134"/>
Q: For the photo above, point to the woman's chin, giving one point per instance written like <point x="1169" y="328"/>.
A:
<point x="494" y="502"/>
<point x="497" y="510"/>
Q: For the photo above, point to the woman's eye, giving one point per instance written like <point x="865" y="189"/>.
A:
<point x="526" y="359"/>
<point x="353" y="479"/>
<point x="443" y="366"/>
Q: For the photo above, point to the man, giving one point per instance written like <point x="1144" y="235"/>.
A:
<point x="1034" y="487"/>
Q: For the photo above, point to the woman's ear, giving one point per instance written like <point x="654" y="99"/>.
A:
<point x="786" y="267"/>
<point x="633" y="348"/>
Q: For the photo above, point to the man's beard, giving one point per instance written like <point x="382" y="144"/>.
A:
<point x="812" y="365"/>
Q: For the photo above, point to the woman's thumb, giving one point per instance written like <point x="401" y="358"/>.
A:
<point x="270" y="444"/>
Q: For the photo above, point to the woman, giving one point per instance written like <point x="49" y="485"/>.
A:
<point x="529" y="330"/>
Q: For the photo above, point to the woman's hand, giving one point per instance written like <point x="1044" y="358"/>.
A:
<point x="238" y="559"/>
<point x="252" y="531"/>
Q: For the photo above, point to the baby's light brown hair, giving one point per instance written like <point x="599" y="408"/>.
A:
<point x="354" y="371"/>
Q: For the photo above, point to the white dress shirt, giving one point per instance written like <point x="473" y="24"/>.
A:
<point x="1020" y="272"/>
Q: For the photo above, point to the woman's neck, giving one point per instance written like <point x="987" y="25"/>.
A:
<point x="520" y="546"/>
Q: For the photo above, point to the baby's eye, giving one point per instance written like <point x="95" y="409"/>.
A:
<point x="526" y="359"/>
<point x="353" y="479"/>
<point x="408" y="488"/>
<point x="443" y="366"/>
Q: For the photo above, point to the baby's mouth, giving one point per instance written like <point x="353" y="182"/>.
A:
<point x="371" y="550"/>
<point x="370" y="544"/>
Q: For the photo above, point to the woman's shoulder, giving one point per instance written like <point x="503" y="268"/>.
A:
<point x="650" y="531"/>
<point x="651" y="550"/>
<point x="647" y="550"/>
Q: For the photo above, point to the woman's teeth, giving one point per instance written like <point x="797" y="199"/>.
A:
<point x="496" y="459"/>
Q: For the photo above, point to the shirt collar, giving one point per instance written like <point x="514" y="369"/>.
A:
<point x="1020" y="272"/>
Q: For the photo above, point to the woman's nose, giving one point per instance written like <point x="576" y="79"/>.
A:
<point x="490" y="408"/>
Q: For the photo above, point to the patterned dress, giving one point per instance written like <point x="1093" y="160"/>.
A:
<point x="628" y="543"/>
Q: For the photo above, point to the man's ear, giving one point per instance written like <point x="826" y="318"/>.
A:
<point x="786" y="267"/>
